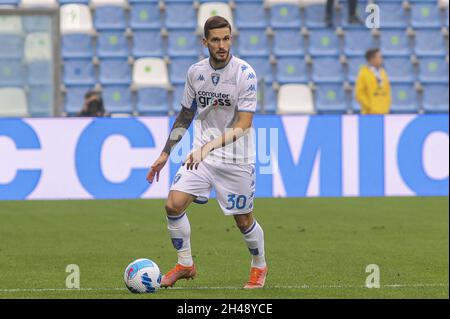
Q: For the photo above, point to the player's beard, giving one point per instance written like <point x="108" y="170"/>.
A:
<point x="214" y="58"/>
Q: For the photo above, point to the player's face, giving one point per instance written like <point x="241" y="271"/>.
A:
<point x="219" y="44"/>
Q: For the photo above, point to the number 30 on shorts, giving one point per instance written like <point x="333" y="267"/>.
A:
<point x="236" y="201"/>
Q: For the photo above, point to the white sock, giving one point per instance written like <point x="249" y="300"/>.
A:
<point x="180" y="233"/>
<point x="254" y="238"/>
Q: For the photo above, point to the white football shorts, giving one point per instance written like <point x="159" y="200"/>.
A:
<point x="234" y="185"/>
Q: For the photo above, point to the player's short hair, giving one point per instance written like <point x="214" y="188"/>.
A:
<point x="371" y="53"/>
<point x="215" y="22"/>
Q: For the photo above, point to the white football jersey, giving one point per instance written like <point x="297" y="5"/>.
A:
<point x="217" y="95"/>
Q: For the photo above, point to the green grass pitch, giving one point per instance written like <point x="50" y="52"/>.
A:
<point x="315" y="247"/>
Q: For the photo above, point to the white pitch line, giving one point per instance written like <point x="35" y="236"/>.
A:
<point x="419" y="285"/>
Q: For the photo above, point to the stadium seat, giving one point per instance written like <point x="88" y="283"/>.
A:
<point x="178" y="69"/>
<point x="360" y="12"/>
<point x="285" y="16"/>
<point x="435" y="97"/>
<point x="392" y="15"/>
<point x="109" y="17"/>
<point x="37" y="23"/>
<point x="354" y="64"/>
<point x="115" y="71"/>
<point x="77" y="45"/>
<point x="266" y="99"/>
<point x="180" y="15"/>
<point x="117" y="99"/>
<point x="399" y="69"/>
<point x="14" y="102"/>
<point x="208" y="10"/>
<point x="429" y="42"/>
<point x="261" y="66"/>
<point x="150" y="72"/>
<point x="40" y="72"/>
<point x="183" y="42"/>
<point x="404" y="98"/>
<point x="394" y="42"/>
<point x="112" y="44"/>
<point x="177" y="96"/>
<point x="76" y="18"/>
<point x="425" y="14"/>
<point x="12" y="46"/>
<point x="250" y="15"/>
<point x="358" y="41"/>
<point x="291" y="70"/>
<point x="295" y="98"/>
<point x="39" y="3"/>
<point x="433" y="69"/>
<point x="152" y="100"/>
<point x="148" y="44"/>
<point x="78" y="72"/>
<point x="288" y="42"/>
<point x="9" y="2"/>
<point x="330" y="98"/>
<point x="315" y="16"/>
<point x="12" y="72"/>
<point x="38" y="46"/>
<point x="253" y="42"/>
<point x="11" y="25"/>
<point x="327" y="69"/>
<point x="74" y="97"/>
<point x="145" y="16"/>
<point x="40" y="100"/>
<point x="323" y="42"/>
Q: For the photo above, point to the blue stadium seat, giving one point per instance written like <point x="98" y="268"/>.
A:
<point x="10" y="2"/>
<point x="77" y="46"/>
<point x="117" y="99"/>
<point x="357" y="42"/>
<point x="315" y="16"/>
<point x="40" y="72"/>
<point x="287" y="42"/>
<point x="40" y="100"/>
<point x="323" y="42"/>
<point x="399" y="69"/>
<point x="148" y="44"/>
<point x="78" y="72"/>
<point x="115" y="71"/>
<point x="330" y="98"/>
<point x="250" y="15"/>
<point x="433" y="69"/>
<point x="253" y="42"/>
<point x="110" y="17"/>
<point x="178" y="69"/>
<point x="392" y="15"/>
<point x="37" y="23"/>
<point x="404" y="98"/>
<point x="266" y="96"/>
<point x="180" y="15"/>
<point x="145" y="16"/>
<point x="12" y="46"/>
<point x="74" y="97"/>
<point x="152" y="100"/>
<point x="425" y="14"/>
<point x="183" y="43"/>
<point x="111" y="44"/>
<point x="262" y="67"/>
<point x="177" y="96"/>
<point x="291" y="70"/>
<point x="435" y="97"/>
<point x="12" y="73"/>
<point x="354" y="64"/>
<point x="429" y="42"/>
<point x="285" y="16"/>
<point x="327" y="69"/>
<point x="394" y="42"/>
<point x="360" y="12"/>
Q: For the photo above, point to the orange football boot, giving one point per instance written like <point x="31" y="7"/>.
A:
<point x="257" y="278"/>
<point x="178" y="272"/>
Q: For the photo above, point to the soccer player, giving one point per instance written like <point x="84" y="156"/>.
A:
<point x="220" y="93"/>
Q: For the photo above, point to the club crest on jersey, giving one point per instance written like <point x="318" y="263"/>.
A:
<point x="215" y="77"/>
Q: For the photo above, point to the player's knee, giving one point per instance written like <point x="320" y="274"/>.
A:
<point x="243" y="224"/>
<point x="172" y="209"/>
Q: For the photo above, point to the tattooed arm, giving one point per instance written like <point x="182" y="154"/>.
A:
<point x="182" y="123"/>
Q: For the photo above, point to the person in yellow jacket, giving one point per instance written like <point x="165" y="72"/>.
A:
<point x="372" y="89"/>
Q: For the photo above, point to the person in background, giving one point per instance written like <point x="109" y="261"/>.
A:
<point x="93" y="105"/>
<point x="372" y="88"/>
<point x="352" y="16"/>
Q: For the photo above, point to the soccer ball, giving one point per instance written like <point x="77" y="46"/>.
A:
<point x="142" y="276"/>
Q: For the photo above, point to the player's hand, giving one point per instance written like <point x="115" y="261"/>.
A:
<point x="193" y="159"/>
<point x="156" y="167"/>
